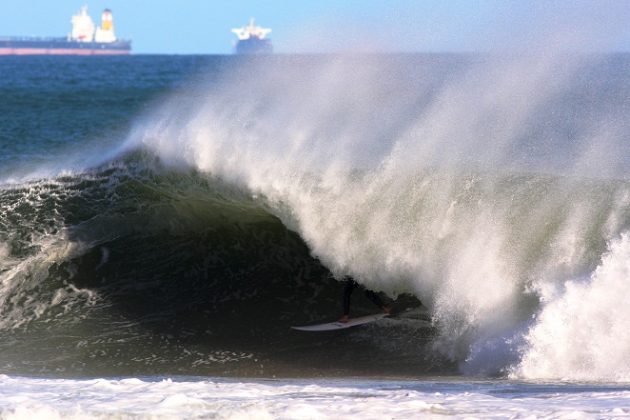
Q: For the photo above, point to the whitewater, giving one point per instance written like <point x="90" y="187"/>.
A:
<point x="312" y="399"/>
<point x="157" y="243"/>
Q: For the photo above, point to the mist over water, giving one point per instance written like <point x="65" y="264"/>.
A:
<point x="493" y="188"/>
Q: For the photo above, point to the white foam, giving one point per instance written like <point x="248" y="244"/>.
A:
<point x="32" y="398"/>
<point x="583" y="330"/>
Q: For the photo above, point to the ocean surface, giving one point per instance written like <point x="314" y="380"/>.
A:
<point x="165" y="220"/>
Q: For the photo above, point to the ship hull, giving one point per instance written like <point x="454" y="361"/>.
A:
<point x="61" y="46"/>
<point x="254" y="46"/>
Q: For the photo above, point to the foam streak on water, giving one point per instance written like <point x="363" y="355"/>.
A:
<point x="22" y="398"/>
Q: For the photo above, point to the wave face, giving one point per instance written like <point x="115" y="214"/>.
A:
<point x="135" y="270"/>
<point x="493" y="190"/>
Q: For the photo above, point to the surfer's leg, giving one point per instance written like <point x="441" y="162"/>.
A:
<point x="348" y="288"/>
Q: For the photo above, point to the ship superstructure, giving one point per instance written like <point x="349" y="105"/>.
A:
<point x="84" y="39"/>
<point x="105" y="32"/>
<point x="252" y="39"/>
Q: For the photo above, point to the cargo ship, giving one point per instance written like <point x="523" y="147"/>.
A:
<point x="85" y="39"/>
<point x="252" y="39"/>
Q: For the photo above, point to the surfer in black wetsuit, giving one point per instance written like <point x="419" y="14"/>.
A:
<point x="347" y="293"/>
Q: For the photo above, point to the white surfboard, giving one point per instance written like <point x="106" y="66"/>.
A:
<point x="331" y="326"/>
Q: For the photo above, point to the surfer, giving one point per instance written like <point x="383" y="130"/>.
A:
<point x="373" y="296"/>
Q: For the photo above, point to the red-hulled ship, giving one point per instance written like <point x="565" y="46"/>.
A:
<point x="85" y="39"/>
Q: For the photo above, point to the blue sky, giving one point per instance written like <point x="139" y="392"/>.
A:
<point x="203" y="26"/>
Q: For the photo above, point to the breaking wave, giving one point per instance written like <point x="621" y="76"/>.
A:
<point x="487" y="189"/>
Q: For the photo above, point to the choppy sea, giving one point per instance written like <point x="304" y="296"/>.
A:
<point x="165" y="220"/>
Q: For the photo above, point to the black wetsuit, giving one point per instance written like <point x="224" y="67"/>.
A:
<point x="347" y="292"/>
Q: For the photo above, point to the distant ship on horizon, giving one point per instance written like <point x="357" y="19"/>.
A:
<point x="252" y="39"/>
<point x="85" y="39"/>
